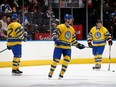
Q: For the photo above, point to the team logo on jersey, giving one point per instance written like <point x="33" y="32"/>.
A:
<point x="67" y="35"/>
<point x="98" y="35"/>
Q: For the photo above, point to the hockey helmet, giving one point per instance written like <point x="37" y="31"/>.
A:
<point x="68" y="16"/>
<point x="98" y="21"/>
<point x="56" y="21"/>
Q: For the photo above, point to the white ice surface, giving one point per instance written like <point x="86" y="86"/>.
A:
<point x="80" y="75"/>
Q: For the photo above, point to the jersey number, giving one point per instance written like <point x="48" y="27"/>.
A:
<point x="10" y="32"/>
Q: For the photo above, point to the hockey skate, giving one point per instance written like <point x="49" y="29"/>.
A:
<point x="16" y="72"/>
<point x="60" y="77"/>
<point x="97" y="66"/>
<point x="49" y="76"/>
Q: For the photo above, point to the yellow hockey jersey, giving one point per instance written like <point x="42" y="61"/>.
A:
<point x="14" y="33"/>
<point x="99" y="36"/>
<point x="65" y="34"/>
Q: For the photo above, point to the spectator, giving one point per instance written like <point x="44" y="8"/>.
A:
<point x="38" y="16"/>
<point x="28" y="32"/>
<point x="113" y="13"/>
<point x="25" y="19"/>
<point x="46" y="2"/>
<point x="41" y="3"/>
<point x="6" y="7"/>
<point x="16" y="3"/>
<point x="8" y="20"/>
<point x="0" y="15"/>
<point x="113" y="27"/>
<point x="4" y="24"/>
<point x="2" y="35"/>
<point x="49" y="13"/>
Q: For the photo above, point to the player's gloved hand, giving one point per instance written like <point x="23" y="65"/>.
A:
<point x="110" y="42"/>
<point x="89" y="43"/>
<point x="80" y="46"/>
<point x="9" y="48"/>
<point x="24" y="39"/>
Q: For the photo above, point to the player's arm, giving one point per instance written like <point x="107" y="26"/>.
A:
<point x="55" y="34"/>
<point x="75" y="43"/>
<point x="89" y="39"/>
<point x="108" y="38"/>
<point x="19" y="33"/>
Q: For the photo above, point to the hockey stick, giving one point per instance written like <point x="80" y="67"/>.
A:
<point x="3" y="50"/>
<point x="87" y="47"/>
<point x="109" y="58"/>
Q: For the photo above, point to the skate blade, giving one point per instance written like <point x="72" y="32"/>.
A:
<point x="15" y="74"/>
<point x="97" y="69"/>
<point x="60" y="78"/>
<point x="49" y="77"/>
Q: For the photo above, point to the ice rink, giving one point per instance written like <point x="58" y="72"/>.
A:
<point x="80" y="75"/>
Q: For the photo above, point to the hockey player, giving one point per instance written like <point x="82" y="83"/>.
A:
<point x="98" y="35"/>
<point x="64" y="37"/>
<point x="15" y="37"/>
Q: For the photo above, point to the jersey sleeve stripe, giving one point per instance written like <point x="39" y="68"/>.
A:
<point x="17" y="29"/>
<point x="20" y="36"/>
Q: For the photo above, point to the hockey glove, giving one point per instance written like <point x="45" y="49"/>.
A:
<point x="110" y="42"/>
<point x="80" y="46"/>
<point x="9" y="48"/>
<point x="89" y="43"/>
<point x="24" y="39"/>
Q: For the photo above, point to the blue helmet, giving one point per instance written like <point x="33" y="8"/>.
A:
<point x="14" y="16"/>
<point x="68" y="16"/>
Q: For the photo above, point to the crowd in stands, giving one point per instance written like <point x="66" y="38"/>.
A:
<point x="37" y="14"/>
<point x="35" y="18"/>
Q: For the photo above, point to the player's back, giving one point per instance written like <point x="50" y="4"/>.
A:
<point x="14" y="33"/>
<point x="11" y="29"/>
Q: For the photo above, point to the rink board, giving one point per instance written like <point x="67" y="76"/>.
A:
<point x="36" y="53"/>
<point x="48" y="62"/>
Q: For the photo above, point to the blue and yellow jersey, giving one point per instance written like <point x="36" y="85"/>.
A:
<point x="65" y="34"/>
<point x="99" y="36"/>
<point x="14" y="33"/>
